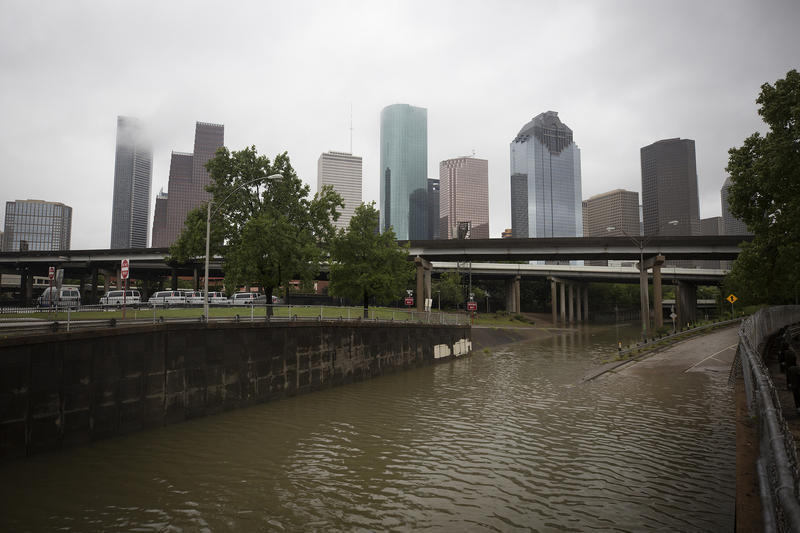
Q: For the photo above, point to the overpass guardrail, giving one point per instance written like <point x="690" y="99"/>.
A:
<point x="33" y="320"/>
<point x="777" y="456"/>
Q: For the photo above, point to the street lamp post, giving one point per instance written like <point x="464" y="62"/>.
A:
<point x="208" y="232"/>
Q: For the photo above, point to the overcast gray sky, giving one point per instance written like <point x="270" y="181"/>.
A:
<point x="283" y="76"/>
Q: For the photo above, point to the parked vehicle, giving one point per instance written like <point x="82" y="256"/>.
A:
<point x="168" y="299"/>
<point x="248" y="298"/>
<point x="63" y="297"/>
<point x="131" y="297"/>
<point x="194" y="297"/>
<point x="217" y="298"/>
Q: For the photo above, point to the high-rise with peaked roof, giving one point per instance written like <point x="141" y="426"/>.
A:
<point x="545" y="180"/>
<point x="669" y="188"/>
<point x="730" y="224"/>
<point x="188" y="179"/>
<point x="37" y="225"/>
<point x="464" y="198"/>
<point x="342" y="171"/>
<point x="404" y="171"/>
<point x="133" y="175"/>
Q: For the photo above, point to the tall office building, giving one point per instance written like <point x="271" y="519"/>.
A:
<point x="730" y="224"/>
<point x="404" y="171"/>
<point x="160" y="220"/>
<point x="464" y="198"/>
<point x="545" y="180"/>
<point x="188" y="179"/>
<point x="342" y="171"/>
<point x="433" y="208"/>
<point x="617" y="209"/>
<point x="133" y="175"/>
<point x="669" y="188"/>
<point x="37" y="225"/>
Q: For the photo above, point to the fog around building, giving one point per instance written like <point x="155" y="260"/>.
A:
<point x="284" y="75"/>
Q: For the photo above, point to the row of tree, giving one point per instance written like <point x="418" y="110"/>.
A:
<point x="269" y="231"/>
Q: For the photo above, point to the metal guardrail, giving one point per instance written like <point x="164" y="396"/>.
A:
<point x="74" y="319"/>
<point x="777" y="462"/>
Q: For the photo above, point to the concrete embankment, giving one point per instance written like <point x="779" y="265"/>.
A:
<point x="489" y="336"/>
<point x="63" y="389"/>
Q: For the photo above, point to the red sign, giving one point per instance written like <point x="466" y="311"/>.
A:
<point x="472" y="306"/>
<point x="409" y="301"/>
<point x="51" y="273"/>
<point x="124" y="269"/>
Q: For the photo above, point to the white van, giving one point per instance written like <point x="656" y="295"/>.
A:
<point x="217" y="298"/>
<point x="168" y="299"/>
<point x="132" y="298"/>
<point x="194" y="297"/>
<point x="63" y="297"/>
<point x="248" y="298"/>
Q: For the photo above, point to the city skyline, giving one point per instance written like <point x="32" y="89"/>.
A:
<point x="133" y="175"/>
<point x="704" y="85"/>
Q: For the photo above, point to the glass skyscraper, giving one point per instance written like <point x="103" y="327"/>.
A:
<point x="545" y="180"/>
<point x="37" y="225"/>
<point x="133" y="176"/>
<point x="404" y="171"/>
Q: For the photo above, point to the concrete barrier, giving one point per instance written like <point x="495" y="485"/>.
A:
<point x="64" y="389"/>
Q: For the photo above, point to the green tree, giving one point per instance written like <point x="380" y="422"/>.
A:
<point x="449" y="289"/>
<point x="765" y="195"/>
<point x="267" y="231"/>
<point x="365" y="263"/>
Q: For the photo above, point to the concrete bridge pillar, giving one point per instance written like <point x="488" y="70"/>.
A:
<point x="94" y="297"/>
<point x="553" y="298"/>
<point x="644" y="300"/>
<point x="513" y="295"/>
<point x="106" y="281"/>
<point x="586" y="303"/>
<point x="578" y="306"/>
<point x="423" y="281"/>
<point x="563" y="310"/>
<point x="517" y="295"/>
<point x="571" y="303"/>
<point x="686" y="302"/>
<point x="196" y="279"/>
<point x="658" y="311"/>
<point x="27" y="286"/>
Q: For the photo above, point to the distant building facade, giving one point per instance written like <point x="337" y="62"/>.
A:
<point x="160" y="219"/>
<point x="133" y="176"/>
<point x="37" y="225"/>
<point x="342" y="171"/>
<point x="669" y="188"/>
<point x="711" y="226"/>
<point x="404" y="171"/>
<point x="617" y="209"/>
<point x="464" y="197"/>
<point x="545" y="180"/>
<point x="433" y="208"/>
<point x="730" y="224"/>
<point x="507" y="233"/>
<point x="188" y="179"/>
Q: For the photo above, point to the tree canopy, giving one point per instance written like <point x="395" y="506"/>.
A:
<point x="268" y="231"/>
<point x="365" y="263"/>
<point x="765" y="195"/>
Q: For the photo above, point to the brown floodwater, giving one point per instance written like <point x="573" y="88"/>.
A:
<point x="505" y="441"/>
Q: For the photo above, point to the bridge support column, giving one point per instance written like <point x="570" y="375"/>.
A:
<point x="571" y="303"/>
<point x="687" y="302"/>
<point x="562" y="308"/>
<point x="658" y="311"/>
<point x="27" y="286"/>
<point x="586" y="303"/>
<point x="578" y="306"/>
<point x="428" y="291"/>
<point x="517" y="296"/>
<point x="644" y="300"/>
<point x="94" y="297"/>
<point x="106" y="281"/>
<point x="175" y="280"/>
<point x="553" y="298"/>
<point x="423" y="281"/>
<point x="196" y="279"/>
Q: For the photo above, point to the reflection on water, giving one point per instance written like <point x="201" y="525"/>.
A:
<point x="501" y="442"/>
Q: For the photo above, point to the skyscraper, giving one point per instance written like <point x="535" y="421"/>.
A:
<point x="404" y="171"/>
<point x="342" y="171"/>
<point x="669" y="188"/>
<point x="730" y="224"/>
<point x="37" y="225"/>
<point x="464" y="197"/>
<point x="160" y="220"/>
<point x="545" y="180"/>
<point x="433" y="208"/>
<point x="133" y="175"/>
<point x="188" y="179"/>
<point x="617" y="209"/>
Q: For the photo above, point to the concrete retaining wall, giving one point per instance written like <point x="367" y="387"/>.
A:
<point x="64" y="389"/>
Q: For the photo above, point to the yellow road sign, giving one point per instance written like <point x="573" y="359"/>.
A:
<point x="731" y="298"/>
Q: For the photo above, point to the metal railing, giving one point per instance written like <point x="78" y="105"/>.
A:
<point x="777" y="462"/>
<point x="31" y="320"/>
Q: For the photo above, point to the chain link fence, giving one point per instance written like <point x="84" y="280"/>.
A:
<point x="777" y="463"/>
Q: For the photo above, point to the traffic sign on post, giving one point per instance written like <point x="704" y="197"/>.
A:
<point x="409" y="301"/>
<point x="51" y="273"/>
<point x="472" y="306"/>
<point x="732" y="298"/>
<point x="123" y="268"/>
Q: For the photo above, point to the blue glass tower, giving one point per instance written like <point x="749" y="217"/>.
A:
<point x="404" y="169"/>
<point x="546" y="180"/>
